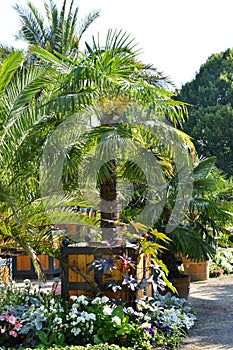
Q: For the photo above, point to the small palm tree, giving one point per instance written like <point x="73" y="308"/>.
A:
<point x="208" y="214"/>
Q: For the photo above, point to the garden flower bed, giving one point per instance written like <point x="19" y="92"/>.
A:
<point x="222" y="263"/>
<point x="32" y="318"/>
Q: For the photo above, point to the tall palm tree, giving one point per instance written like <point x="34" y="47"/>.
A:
<point x="58" y="32"/>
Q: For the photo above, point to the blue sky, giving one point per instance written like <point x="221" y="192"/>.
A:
<point x="176" y="36"/>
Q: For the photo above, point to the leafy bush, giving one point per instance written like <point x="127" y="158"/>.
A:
<point x="30" y="317"/>
<point x="222" y="263"/>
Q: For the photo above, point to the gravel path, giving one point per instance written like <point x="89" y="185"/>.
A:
<point x="213" y="300"/>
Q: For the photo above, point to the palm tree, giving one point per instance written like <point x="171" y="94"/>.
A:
<point x="24" y="126"/>
<point x="39" y="97"/>
<point x="17" y="89"/>
<point x="59" y="32"/>
<point x="112" y="81"/>
<point x="208" y="215"/>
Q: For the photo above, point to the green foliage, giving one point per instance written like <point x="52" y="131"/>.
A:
<point x="210" y="114"/>
<point x="207" y="216"/>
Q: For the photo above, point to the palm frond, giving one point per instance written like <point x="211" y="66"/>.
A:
<point x="86" y="22"/>
<point x="23" y="88"/>
<point x="187" y="242"/>
<point x="204" y="168"/>
<point x="58" y="64"/>
<point x="9" y="65"/>
<point x="33" y="30"/>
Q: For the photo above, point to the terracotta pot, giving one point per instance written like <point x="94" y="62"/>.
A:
<point x="197" y="270"/>
<point x="182" y="285"/>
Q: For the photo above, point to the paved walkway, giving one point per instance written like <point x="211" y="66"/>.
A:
<point x="213" y="300"/>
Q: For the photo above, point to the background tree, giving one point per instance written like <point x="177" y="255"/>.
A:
<point x="210" y="114"/>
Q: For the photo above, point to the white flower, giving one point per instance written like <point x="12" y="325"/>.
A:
<point x="85" y="315"/>
<point x="57" y="320"/>
<point x="75" y="306"/>
<point x="80" y="319"/>
<point x="72" y="315"/>
<point x="82" y="299"/>
<point x="92" y="316"/>
<point x="73" y="297"/>
<point x="96" y="301"/>
<point x="116" y="320"/>
<point x="104" y="299"/>
<point x="27" y="282"/>
<point x="107" y="310"/>
<point x="75" y="331"/>
<point x="146" y="325"/>
<point x="130" y="310"/>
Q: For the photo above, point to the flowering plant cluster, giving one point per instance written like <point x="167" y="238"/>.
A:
<point x="169" y="318"/>
<point x="30" y="317"/>
<point x="222" y="263"/>
<point x="10" y="328"/>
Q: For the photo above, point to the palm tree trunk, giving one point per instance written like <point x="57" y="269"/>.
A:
<point x="109" y="208"/>
<point x="35" y="260"/>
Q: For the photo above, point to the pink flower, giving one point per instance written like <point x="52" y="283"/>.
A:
<point x="2" y="331"/>
<point x="18" y="326"/>
<point x="58" y="290"/>
<point x="2" y="317"/>
<point x="12" y="319"/>
<point x="13" y="334"/>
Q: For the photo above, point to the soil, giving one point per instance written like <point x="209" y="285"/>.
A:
<point x="213" y="301"/>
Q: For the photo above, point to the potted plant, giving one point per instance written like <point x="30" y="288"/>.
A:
<point x="194" y="240"/>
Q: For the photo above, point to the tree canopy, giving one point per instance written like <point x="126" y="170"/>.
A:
<point x="210" y="120"/>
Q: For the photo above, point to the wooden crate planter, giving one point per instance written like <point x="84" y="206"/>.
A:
<point x="82" y="256"/>
<point x="197" y="270"/>
<point x="22" y="266"/>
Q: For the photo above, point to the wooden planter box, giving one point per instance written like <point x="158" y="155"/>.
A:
<point x="197" y="270"/>
<point x="82" y="256"/>
<point x="22" y="266"/>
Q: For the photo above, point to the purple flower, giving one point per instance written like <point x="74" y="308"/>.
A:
<point x="151" y="331"/>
